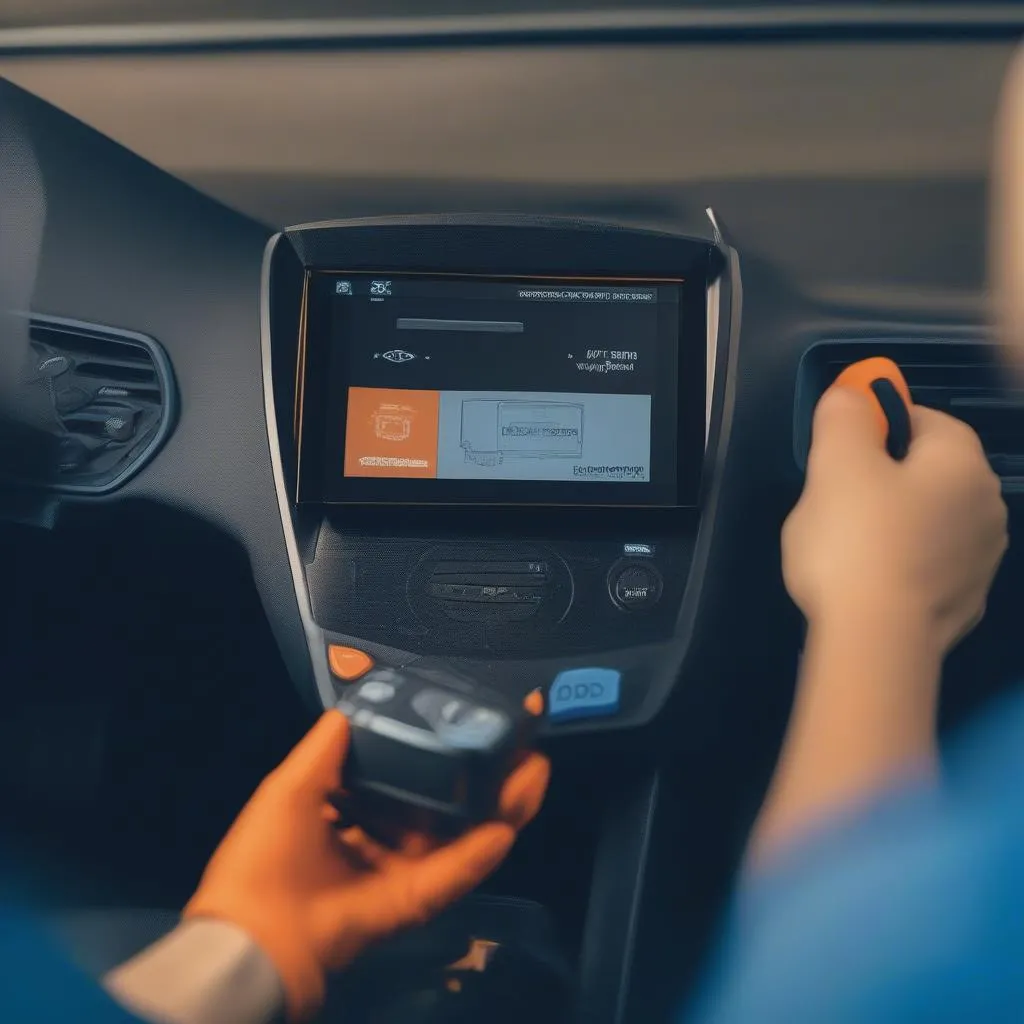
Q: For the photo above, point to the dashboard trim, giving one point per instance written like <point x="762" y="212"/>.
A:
<point x="616" y="904"/>
<point x="714" y="298"/>
<point x="315" y="640"/>
<point x="778" y="23"/>
<point x="723" y="399"/>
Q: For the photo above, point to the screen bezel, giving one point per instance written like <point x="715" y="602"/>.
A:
<point x="313" y="401"/>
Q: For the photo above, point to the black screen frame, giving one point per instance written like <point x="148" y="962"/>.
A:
<point x="317" y="402"/>
<point x="315" y="408"/>
<point x="516" y="247"/>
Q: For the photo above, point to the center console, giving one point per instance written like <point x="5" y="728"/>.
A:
<point x="492" y="444"/>
<point x="495" y="448"/>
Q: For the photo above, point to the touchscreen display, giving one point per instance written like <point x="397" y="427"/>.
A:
<point x="509" y="391"/>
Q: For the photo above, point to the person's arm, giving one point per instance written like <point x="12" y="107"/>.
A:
<point x="291" y="894"/>
<point x="203" y="972"/>
<point x="863" y="717"/>
<point x="891" y="563"/>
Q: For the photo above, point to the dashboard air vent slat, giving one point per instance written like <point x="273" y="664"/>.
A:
<point x="112" y="400"/>
<point x="961" y="377"/>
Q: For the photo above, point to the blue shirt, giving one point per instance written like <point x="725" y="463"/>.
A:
<point x="39" y="985"/>
<point x="911" y="911"/>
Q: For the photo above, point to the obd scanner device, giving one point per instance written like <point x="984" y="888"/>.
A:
<point x="429" y="749"/>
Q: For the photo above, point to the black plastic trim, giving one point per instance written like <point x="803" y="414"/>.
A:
<point x="723" y="404"/>
<point x="615" y="901"/>
<point x="314" y="635"/>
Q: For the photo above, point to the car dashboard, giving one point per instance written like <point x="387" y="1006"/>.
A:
<point x="498" y="351"/>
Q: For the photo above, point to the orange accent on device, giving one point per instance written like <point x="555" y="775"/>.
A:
<point x="883" y="382"/>
<point x="348" y="663"/>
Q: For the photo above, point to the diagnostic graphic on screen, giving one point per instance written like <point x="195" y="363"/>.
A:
<point x="494" y="430"/>
<point x="466" y="387"/>
<point x="506" y="435"/>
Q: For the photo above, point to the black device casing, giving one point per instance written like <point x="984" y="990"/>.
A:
<point x="429" y="748"/>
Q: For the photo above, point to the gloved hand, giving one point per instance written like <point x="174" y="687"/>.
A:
<point x="313" y="895"/>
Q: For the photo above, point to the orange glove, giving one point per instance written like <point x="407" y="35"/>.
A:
<point x="314" y="896"/>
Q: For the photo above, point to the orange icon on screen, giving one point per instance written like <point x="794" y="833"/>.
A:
<point x="391" y="432"/>
<point x="393" y="422"/>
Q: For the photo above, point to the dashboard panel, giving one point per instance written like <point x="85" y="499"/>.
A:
<point x="522" y="576"/>
<point x="835" y="238"/>
<point x="849" y="214"/>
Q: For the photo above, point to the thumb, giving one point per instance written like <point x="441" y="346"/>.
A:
<point x="845" y="429"/>
<point x="315" y="763"/>
<point x="523" y="792"/>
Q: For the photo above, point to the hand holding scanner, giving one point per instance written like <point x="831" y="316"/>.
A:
<point x="430" y="750"/>
<point x="881" y="380"/>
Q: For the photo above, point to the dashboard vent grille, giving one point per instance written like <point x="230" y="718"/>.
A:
<point x="111" y="397"/>
<point x="482" y="591"/>
<point x="962" y="378"/>
<point x="478" y="590"/>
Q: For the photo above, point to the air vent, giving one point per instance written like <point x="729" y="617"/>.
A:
<point x="111" y="397"/>
<point x="474" y="590"/>
<point x="491" y="586"/>
<point x="963" y="378"/>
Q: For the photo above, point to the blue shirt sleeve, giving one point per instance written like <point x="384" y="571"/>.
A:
<point x="39" y="985"/>
<point x="911" y="911"/>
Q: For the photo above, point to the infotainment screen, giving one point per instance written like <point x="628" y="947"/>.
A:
<point x="422" y="388"/>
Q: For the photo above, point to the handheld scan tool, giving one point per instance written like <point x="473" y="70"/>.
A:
<point x="430" y="749"/>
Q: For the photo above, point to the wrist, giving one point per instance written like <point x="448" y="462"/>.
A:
<point x="863" y="718"/>
<point x="870" y="677"/>
<point x="273" y="931"/>
<point x="875" y="634"/>
<point x="204" y="971"/>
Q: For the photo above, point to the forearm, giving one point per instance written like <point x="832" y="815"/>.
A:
<point x="863" y="718"/>
<point x="203" y="972"/>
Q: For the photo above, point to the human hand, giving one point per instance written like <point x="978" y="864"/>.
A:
<point x="916" y="541"/>
<point x="1006" y="221"/>
<point x="314" y="895"/>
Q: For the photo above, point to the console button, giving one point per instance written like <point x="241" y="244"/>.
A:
<point x="584" y="693"/>
<point x="376" y="691"/>
<point x="635" y="586"/>
<point x="348" y="663"/>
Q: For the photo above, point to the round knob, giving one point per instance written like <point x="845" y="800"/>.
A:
<point x="635" y="586"/>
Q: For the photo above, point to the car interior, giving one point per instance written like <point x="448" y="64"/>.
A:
<point x="475" y="339"/>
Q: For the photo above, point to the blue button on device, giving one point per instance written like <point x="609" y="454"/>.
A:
<point x="584" y="693"/>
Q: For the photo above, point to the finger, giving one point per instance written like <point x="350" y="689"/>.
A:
<point x="523" y="793"/>
<point x="372" y="853"/>
<point x="317" y="760"/>
<point x="935" y="431"/>
<point x="455" y="870"/>
<point x="845" y="430"/>
<point x="417" y="843"/>
<point x="927" y="422"/>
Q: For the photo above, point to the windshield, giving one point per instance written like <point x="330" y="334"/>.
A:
<point x="31" y="13"/>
